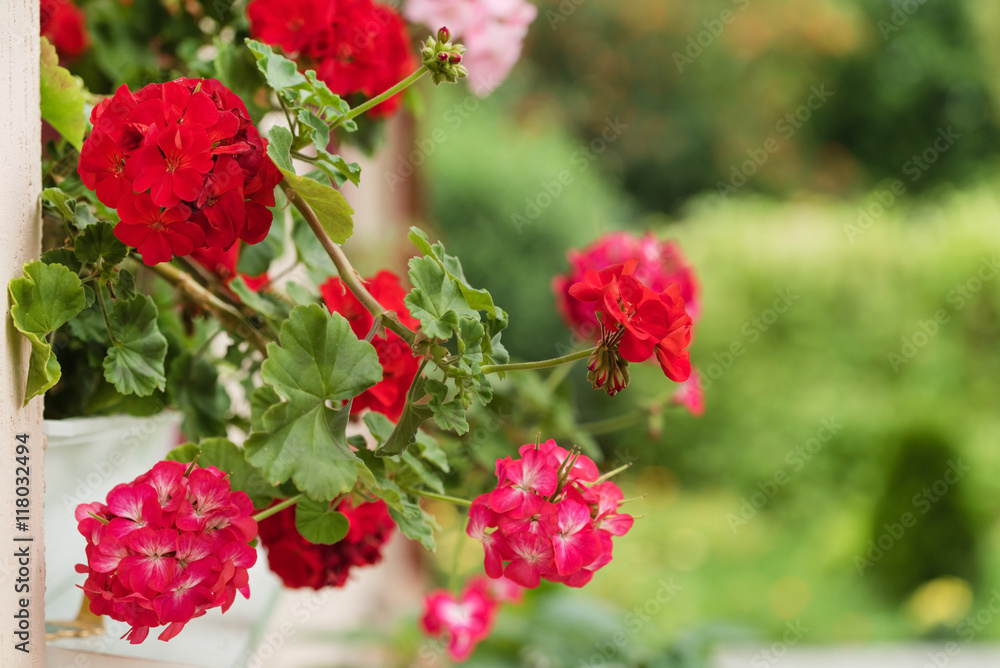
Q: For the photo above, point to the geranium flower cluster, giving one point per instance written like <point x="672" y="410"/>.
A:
<point x="300" y="563"/>
<point x="467" y="619"/>
<point x="65" y="26"/>
<point x="166" y="548"/>
<point x="636" y="323"/>
<point x="659" y="264"/>
<point x="355" y="46"/>
<point x="492" y="32"/>
<point x="184" y="166"/>
<point x="550" y="517"/>
<point x="399" y="366"/>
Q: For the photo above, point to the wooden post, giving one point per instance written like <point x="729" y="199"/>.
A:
<point x="22" y="579"/>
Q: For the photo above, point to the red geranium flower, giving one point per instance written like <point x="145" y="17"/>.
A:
<point x="65" y="26"/>
<point x="355" y="46"/>
<point x="166" y="548"/>
<point x="399" y="366"/>
<point x="189" y="147"/>
<point x="660" y="263"/>
<point x="300" y="563"/>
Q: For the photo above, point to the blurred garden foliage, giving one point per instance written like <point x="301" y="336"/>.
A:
<point x="706" y="86"/>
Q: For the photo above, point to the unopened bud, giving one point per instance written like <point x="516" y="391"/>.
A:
<point x="455" y="58"/>
<point x="444" y="35"/>
<point x="442" y="57"/>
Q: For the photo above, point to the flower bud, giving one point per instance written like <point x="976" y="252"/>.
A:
<point x="455" y="58"/>
<point x="608" y="370"/>
<point x="444" y="35"/>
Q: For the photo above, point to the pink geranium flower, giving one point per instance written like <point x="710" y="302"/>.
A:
<point x="166" y="548"/>
<point x="465" y="619"/>
<point x="549" y="518"/>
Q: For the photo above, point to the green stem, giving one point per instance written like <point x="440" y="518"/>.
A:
<point x="348" y="274"/>
<point x="456" y="558"/>
<point x="441" y="497"/>
<point x="611" y="474"/>
<point x="267" y="512"/>
<point x="231" y="318"/>
<point x="104" y="310"/>
<point x="379" y="99"/>
<point x="542" y="364"/>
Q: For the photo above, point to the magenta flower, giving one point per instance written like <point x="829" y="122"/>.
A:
<point x="168" y="547"/>
<point x="465" y="620"/>
<point x="549" y="517"/>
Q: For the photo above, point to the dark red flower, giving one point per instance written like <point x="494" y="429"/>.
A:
<point x="399" y="366"/>
<point x="65" y="26"/>
<point x="166" y="548"/>
<point x="355" y="46"/>
<point x="300" y="563"/>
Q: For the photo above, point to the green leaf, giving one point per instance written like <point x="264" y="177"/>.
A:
<point x="125" y="285"/>
<point x="185" y="453"/>
<point x="330" y="207"/>
<point x="423" y="474"/>
<point x="63" y="256"/>
<point x="269" y="307"/>
<point x="60" y="201"/>
<point x="134" y="364"/>
<point x="261" y="399"/>
<point x="480" y="300"/>
<point x="194" y="388"/>
<point x="319" y="360"/>
<point x="83" y="217"/>
<point x="435" y="299"/>
<point x="320" y="131"/>
<point x="42" y="300"/>
<point x="431" y="451"/>
<point x="279" y="146"/>
<point x="226" y="456"/>
<point x="405" y="431"/>
<point x="62" y="98"/>
<point x="319" y="523"/>
<point x="415" y="523"/>
<point x="98" y="242"/>
<point x="280" y="72"/>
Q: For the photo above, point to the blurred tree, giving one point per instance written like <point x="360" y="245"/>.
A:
<point x="770" y="95"/>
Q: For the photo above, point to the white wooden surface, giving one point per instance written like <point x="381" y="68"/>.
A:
<point x="20" y="238"/>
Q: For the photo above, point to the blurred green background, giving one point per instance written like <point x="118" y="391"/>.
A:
<point x="874" y="395"/>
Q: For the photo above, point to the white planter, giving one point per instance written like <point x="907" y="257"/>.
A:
<point x="85" y="458"/>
